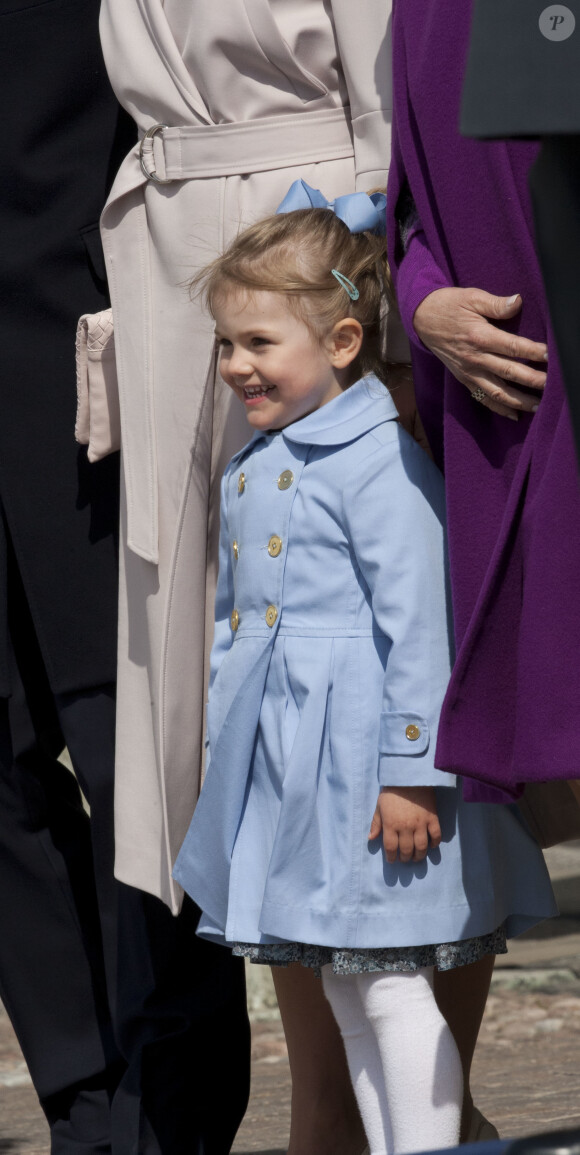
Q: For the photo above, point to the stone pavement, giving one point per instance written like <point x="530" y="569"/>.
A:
<point x="527" y="1067"/>
<point x="526" y="1075"/>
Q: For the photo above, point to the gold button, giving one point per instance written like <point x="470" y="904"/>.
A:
<point x="241" y="482"/>
<point x="236" y="550"/>
<point x="412" y="733"/>
<point x="235" y="620"/>
<point x="275" y="545"/>
<point x="285" y="479"/>
<point x="271" y="615"/>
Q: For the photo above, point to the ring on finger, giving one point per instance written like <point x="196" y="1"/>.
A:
<point x="479" y="394"/>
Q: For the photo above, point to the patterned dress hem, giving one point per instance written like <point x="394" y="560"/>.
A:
<point x="443" y="956"/>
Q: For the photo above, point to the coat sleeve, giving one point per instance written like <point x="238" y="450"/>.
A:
<point x="363" y="35"/>
<point x="418" y="275"/>
<point x="364" y="45"/>
<point x="225" y="595"/>
<point x="414" y="268"/>
<point x="394" y="518"/>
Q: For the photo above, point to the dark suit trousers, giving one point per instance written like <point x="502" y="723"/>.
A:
<point x="555" y="185"/>
<point x="135" y="1031"/>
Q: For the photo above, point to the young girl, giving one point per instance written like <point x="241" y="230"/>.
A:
<point x="324" y="833"/>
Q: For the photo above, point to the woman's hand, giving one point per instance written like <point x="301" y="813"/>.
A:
<point x="407" y="816"/>
<point x="457" y="325"/>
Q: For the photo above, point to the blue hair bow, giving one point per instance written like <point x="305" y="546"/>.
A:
<point x="359" y="211"/>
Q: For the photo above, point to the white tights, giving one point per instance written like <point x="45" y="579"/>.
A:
<point x="402" y="1058"/>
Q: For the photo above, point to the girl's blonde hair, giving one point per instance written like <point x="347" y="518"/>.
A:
<point x="293" y="253"/>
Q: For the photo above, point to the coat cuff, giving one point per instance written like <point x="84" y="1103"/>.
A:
<point x="418" y="276"/>
<point x="372" y="140"/>
<point x="405" y="758"/>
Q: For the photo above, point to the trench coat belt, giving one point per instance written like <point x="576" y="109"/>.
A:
<point x="182" y="153"/>
<point x="214" y="150"/>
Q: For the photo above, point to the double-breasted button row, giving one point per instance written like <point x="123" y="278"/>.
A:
<point x="271" y="618"/>
<point x="274" y="547"/>
<point x="285" y="480"/>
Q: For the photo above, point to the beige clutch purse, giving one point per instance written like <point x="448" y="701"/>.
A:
<point x="98" y="423"/>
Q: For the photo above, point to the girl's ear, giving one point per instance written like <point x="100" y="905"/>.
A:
<point x="344" y="342"/>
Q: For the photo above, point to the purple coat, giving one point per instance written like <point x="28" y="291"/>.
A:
<point x="512" y="710"/>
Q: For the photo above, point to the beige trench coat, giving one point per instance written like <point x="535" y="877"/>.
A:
<point x="255" y="93"/>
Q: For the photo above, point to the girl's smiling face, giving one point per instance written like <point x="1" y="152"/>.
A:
<point x="277" y="367"/>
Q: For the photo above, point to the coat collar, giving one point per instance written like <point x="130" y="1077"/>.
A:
<point x="359" y="409"/>
<point x="355" y="412"/>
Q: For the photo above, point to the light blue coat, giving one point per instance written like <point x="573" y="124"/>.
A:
<point x="330" y="662"/>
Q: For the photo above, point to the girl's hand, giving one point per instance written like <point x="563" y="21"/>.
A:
<point x="457" y="325"/>
<point x="408" y="819"/>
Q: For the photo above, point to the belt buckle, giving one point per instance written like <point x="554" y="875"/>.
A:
<point x="151" y="132"/>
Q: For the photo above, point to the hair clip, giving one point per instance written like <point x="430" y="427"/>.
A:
<point x="346" y="284"/>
